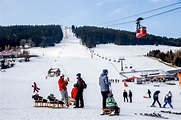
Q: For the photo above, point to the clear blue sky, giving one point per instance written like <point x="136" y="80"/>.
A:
<point x="93" y="13"/>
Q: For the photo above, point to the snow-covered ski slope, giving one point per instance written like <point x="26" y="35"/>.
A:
<point x="72" y="57"/>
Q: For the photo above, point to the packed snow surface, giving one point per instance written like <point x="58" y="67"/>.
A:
<point x="72" y="58"/>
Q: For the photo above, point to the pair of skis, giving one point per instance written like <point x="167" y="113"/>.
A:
<point x="156" y="115"/>
<point x="170" y="112"/>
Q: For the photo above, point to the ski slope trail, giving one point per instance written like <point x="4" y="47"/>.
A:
<point x="72" y="58"/>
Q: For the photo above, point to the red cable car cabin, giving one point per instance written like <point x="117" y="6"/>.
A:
<point x="141" y="32"/>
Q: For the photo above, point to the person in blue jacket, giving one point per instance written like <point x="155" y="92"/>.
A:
<point x="104" y="86"/>
<point x="155" y="98"/>
<point x="168" y="99"/>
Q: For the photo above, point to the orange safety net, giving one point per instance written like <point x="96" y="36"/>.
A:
<point x="179" y="77"/>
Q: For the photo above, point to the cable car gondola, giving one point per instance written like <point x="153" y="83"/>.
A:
<point x="140" y="30"/>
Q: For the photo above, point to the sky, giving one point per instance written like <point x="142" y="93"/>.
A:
<point x="93" y="13"/>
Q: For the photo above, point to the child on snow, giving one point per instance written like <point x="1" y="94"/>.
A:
<point x="35" y="88"/>
<point x="112" y="104"/>
<point x="73" y="94"/>
<point x="168" y="99"/>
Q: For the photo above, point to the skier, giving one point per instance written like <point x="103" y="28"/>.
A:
<point x="168" y="99"/>
<point x="104" y="86"/>
<point x="149" y="93"/>
<point x="130" y="96"/>
<point x="80" y="87"/>
<point x="125" y="95"/>
<point x="155" y="98"/>
<point x="35" y="87"/>
<point x="63" y="89"/>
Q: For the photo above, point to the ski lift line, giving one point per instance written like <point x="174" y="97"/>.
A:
<point x="118" y="71"/>
<point x="147" y="17"/>
<point x="140" y="13"/>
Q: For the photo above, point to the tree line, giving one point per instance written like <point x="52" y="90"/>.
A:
<point x="35" y="36"/>
<point x="92" y="36"/>
<point x="170" y="57"/>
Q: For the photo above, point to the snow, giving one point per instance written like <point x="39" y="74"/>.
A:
<point x="72" y="57"/>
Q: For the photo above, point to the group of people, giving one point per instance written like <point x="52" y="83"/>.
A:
<point x="76" y="93"/>
<point x="107" y="96"/>
<point x="126" y="95"/>
<point x="167" y="99"/>
<point x="106" y="92"/>
<point x="109" y="102"/>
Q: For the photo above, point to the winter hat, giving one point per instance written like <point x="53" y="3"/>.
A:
<point x="62" y="75"/>
<point x="78" y="75"/>
<point x="110" y="95"/>
<point x="75" y="85"/>
<point x="104" y="70"/>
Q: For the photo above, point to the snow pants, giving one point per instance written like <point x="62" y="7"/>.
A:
<point x="169" y="104"/>
<point x="104" y="97"/>
<point x="64" y="96"/>
<point x="156" y="100"/>
<point x="79" y="98"/>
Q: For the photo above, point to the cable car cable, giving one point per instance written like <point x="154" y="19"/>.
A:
<point x="162" y="13"/>
<point x="146" y="17"/>
<point x="141" y="13"/>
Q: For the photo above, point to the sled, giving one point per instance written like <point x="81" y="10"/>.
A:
<point x="40" y="102"/>
<point x="55" y="103"/>
<point x="145" y="97"/>
<point x="109" y="111"/>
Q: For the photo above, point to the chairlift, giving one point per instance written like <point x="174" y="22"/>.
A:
<point x="140" y="30"/>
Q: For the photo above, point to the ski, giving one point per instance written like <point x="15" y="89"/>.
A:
<point x="170" y="112"/>
<point x="156" y="115"/>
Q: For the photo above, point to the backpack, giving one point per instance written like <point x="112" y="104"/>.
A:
<point x="84" y="85"/>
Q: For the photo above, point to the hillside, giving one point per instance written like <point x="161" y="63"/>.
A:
<point x="72" y="57"/>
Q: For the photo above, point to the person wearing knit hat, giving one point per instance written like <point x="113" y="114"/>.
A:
<point x="62" y="83"/>
<point x="104" y="86"/>
<point x="79" y="96"/>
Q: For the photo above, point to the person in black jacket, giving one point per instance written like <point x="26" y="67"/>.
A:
<point x="155" y="98"/>
<point x="149" y="93"/>
<point x="125" y="95"/>
<point x="79" y="97"/>
<point x="130" y="96"/>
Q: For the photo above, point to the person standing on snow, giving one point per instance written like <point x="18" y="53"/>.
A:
<point x="149" y="93"/>
<point x="168" y="99"/>
<point x="104" y="86"/>
<point x="63" y="89"/>
<point x="80" y="87"/>
<point x="130" y="96"/>
<point x="125" y="96"/>
<point x="155" y="98"/>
